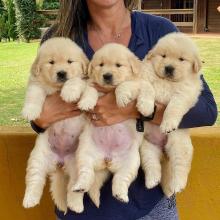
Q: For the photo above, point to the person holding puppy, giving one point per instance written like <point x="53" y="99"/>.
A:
<point x="92" y="24"/>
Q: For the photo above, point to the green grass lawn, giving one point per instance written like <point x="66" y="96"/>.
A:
<point x="16" y="59"/>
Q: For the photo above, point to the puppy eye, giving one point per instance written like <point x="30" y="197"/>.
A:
<point x="70" y="61"/>
<point x="181" y="59"/>
<point x="164" y="55"/>
<point x="52" y="62"/>
<point x="118" y="64"/>
<point x="101" y="64"/>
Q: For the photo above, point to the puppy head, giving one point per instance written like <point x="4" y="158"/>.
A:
<point x="113" y="64"/>
<point x="175" y="57"/>
<point x="58" y="60"/>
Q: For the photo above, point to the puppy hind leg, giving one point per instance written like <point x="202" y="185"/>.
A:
<point x="74" y="199"/>
<point x="100" y="178"/>
<point x="58" y="189"/>
<point x="86" y="175"/>
<point x="151" y="163"/>
<point x="179" y="150"/>
<point x="123" y="177"/>
<point x="37" y="170"/>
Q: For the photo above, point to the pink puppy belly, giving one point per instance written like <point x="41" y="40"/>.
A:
<point x="114" y="138"/>
<point x="156" y="137"/>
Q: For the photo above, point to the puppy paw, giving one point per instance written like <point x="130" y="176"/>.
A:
<point x="146" y="108"/>
<point x="168" y="126"/>
<point x="121" y="197"/>
<point x="30" y="201"/>
<point x="175" y="185"/>
<point x="124" y="95"/>
<point x="69" y="94"/>
<point x="80" y="188"/>
<point x="87" y="104"/>
<point x="75" y="205"/>
<point x="31" y="112"/>
<point x="152" y="179"/>
<point x="120" y="194"/>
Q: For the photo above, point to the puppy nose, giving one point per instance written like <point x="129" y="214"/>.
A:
<point x="107" y="78"/>
<point x="169" y="70"/>
<point x="61" y="76"/>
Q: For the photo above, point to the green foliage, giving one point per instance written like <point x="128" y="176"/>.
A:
<point x="28" y="21"/>
<point x="7" y="20"/>
<point x="11" y="20"/>
<point x="50" y="4"/>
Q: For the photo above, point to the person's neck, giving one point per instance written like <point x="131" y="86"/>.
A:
<point x="109" y="20"/>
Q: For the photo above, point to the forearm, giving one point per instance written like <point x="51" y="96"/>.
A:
<point x="204" y="113"/>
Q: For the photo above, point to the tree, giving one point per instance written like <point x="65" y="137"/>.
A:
<point x="28" y="21"/>
<point x="11" y="20"/>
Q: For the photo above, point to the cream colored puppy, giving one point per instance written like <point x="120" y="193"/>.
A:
<point x="172" y="67"/>
<point x="112" y="148"/>
<point x="59" y="66"/>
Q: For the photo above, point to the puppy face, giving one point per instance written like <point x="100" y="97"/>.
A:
<point x="175" y="57"/>
<point x="58" y="60"/>
<point x="113" y="64"/>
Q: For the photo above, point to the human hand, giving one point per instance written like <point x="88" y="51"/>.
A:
<point x="107" y="112"/>
<point x="55" y="109"/>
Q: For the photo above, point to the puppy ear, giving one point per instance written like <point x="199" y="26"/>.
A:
<point x="149" y="55"/>
<point x="135" y="65"/>
<point x="85" y="63"/>
<point x="197" y="64"/>
<point x="90" y="69"/>
<point x="35" y="68"/>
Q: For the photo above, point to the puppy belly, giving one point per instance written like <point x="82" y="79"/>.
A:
<point x="112" y="140"/>
<point x="154" y="136"/>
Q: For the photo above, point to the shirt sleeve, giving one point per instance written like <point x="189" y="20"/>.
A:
<point x="204" y="113"/>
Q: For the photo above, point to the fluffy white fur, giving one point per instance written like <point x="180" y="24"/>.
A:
<point x="124" y="68"/>
<point x="178" y="88"/>
<point x="56" y="56"/>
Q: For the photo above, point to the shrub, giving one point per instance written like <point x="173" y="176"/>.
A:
<point x="11" y="20"/>
<point x="3" y="22"/>
<point x="50" y="4"/>
<point x="28" y="21"/>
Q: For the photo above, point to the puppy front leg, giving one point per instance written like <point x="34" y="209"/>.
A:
<point x="178" y="106"/>
<point x="150" y="162"/>
<point x="100" y="178"/>
<point x="37" y="170"/>
<point x="146" y="99"/>
<point x="58" y="188"/>
<point x="175" y="171"/>
<point x="73" y="89"/>
<point x="123" y="177"/>
<point x="127" y="92"/>
<point x="89" y="98"/>
<point x="34" y="100"/>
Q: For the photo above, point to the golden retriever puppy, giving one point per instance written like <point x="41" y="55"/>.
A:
<point x="60" y="65"/>
<point x="112" y="148"/>
<point x="172" y="67"/>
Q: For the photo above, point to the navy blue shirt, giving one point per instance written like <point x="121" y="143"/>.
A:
<point x="146" y="31"/>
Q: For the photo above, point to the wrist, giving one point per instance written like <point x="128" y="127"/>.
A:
<point x="158" y="114"/>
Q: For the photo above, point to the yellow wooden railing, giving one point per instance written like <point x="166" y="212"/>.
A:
<point x="199" y="201"/>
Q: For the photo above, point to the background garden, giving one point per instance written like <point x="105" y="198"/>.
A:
<point x="19" y="27"/>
